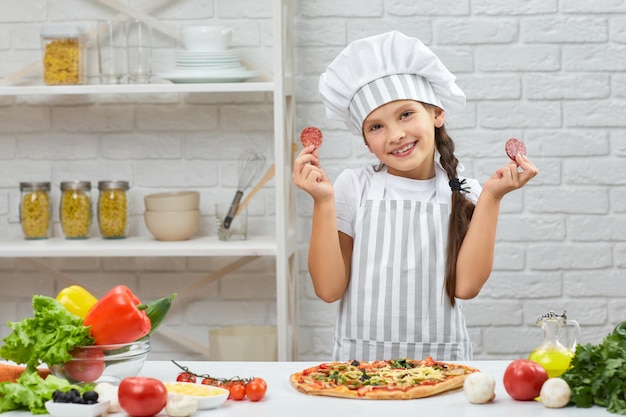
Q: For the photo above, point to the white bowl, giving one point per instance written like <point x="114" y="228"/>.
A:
<point x="172" y="225"/>
<point x="76" y="410"/>
<point x="172" y="201"/>
<point x="208" y="396"/>
<point x="206" y="37"/>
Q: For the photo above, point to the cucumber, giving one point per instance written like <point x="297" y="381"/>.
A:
<point x="157" y="310"/>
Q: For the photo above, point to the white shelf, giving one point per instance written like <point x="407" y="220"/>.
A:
<point x="282" y="245"/>
<point x="136" y="247"/>
<point x="248" y="86"/>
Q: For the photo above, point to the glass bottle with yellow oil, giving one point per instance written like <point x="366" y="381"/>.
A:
<point x="554" y="354"/>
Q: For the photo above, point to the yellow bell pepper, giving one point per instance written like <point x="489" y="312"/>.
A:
<point x="76" y="300"/>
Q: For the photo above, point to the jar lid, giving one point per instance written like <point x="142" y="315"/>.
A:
<point x="76" y="185"/>
<point x="33" y="186"/>
<point x="61" y="31"/>
<point x="112" y="185"/>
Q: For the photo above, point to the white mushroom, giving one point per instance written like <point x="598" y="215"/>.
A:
<point x="179" y="405"/>
<point x="108" y="392"/>
<point x="555" y="393"/>
<point x="479" y="388"/>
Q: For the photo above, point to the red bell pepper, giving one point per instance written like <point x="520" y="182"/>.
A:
<point x="118" y="317"/>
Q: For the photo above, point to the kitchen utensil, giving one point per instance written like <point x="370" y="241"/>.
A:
<point x="238" y="228"/>
<point x="553" y="354"/>
<point x="250" y="166"/>
<point x="266" y="177"/>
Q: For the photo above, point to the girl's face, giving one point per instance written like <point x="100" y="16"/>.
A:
<point x="402" y="135"/>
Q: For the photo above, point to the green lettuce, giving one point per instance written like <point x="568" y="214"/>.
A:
<point x="31" y="392"/>
<point x="47" y="337"/>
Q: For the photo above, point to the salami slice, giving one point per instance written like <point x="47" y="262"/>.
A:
<point x="514" y="147"/>
<point x="311" y="136"/>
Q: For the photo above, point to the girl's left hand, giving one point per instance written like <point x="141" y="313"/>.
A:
<point x="511" y="177"/>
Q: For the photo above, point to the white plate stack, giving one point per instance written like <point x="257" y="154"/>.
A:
<point x="209" y="67"/>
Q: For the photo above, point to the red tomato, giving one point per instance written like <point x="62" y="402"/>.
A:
<point x="255" y="389"/>
<point x="87" y="366"/>
<point x="523" y="379"/>
<point x="237" y="391"/>
<point x="142" y="397"/>
<point x="211" y="381"/>
<point x="186" y="377"/>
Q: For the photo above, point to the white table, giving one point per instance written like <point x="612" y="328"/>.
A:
<point x="284" y="400"/>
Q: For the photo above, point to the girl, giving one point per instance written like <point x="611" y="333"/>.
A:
<point x="401" y="243"/>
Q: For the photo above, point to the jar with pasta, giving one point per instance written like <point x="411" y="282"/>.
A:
<point x="63" y="54"/>
<point x="113" y="209"/>
<point x="75" y="209"/>
<point x="35" y="209"/>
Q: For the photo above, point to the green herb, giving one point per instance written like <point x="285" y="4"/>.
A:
<point x="31" y="392"/>
<point x="598" y="373"/>
<point x="47" y="337"/>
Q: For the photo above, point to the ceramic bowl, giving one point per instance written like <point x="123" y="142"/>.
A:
<point x="172" y="201"/>
<point x="206" y="37"/>
<point x="104" y="363"/>
<point x="208" y="396"/>
<point x="76" y="410"/>
<point x="172" y="225"/>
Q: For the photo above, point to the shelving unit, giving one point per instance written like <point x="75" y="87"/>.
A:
<point x="282" y="245"/>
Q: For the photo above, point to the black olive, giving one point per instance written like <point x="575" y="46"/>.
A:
<point x="355" y="363"/>
<point x="90" y="397"/>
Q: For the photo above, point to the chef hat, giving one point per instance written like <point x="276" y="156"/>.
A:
<point x="373" y="71"/>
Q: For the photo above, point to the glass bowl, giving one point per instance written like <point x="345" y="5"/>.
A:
<point x="104" y="363"/>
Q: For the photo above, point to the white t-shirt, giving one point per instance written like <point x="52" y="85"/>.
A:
<point x="352" y="186"/>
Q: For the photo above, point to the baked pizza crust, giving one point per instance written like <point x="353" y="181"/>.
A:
<point x="381" y="392"/>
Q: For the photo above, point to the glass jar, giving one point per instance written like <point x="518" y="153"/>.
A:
<point x="35" y="209"/>
<point x="63" y="54"/>
<point x="75" y="209"/>
<point x="113" y="209"/>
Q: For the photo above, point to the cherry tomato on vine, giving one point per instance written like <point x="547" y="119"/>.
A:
<point x="186" y="377"/>
<point x="211" y="381"/>
<point x="237" y="391"/>
<point x="255" y="389"/>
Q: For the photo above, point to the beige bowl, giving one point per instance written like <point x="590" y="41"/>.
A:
<point x="172" y="225"/>
<point x="172" y="201"/>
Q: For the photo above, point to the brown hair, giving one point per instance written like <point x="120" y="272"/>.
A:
<point x="461" y="210"/>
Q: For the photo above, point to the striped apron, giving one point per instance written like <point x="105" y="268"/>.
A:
<point x="395" y="305"/>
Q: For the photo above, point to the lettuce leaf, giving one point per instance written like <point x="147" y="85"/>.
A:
<point x="31" y="392"/>
<point x="47" y="337"/>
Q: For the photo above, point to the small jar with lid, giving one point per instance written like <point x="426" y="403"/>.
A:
<point x="113" y="209"/>
<point x="63" y="54"/>
<point x="35" y="210"/>
<point x="75" y="209"/>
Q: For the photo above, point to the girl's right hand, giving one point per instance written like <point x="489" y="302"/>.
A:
<point x="309" y="175"/>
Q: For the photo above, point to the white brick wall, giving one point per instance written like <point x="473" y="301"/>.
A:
<point x="549" y="72"/>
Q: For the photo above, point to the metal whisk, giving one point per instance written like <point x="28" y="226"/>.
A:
<point x="250" y="166"/>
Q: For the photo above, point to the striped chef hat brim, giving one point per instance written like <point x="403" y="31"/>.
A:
<point x="386" y="89"/>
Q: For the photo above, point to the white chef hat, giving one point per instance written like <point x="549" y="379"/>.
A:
<point x="374" y="71"/>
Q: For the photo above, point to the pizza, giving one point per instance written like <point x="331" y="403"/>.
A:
<point x="399" y="379"/>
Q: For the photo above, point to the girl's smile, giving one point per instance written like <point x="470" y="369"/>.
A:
<point x="402" y="136"/>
